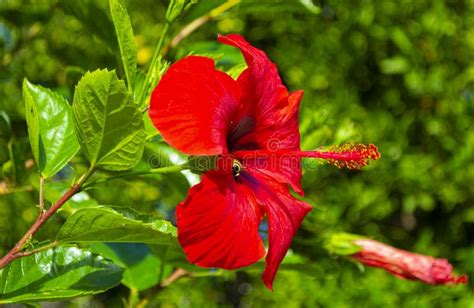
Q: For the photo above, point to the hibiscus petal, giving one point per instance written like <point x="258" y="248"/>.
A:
<point x="266" y="99"/>
<point x="192" y="106"/>
<point x="273" y="110"/>
<point x="285" y="214"/>
<point x="218" y="223"/>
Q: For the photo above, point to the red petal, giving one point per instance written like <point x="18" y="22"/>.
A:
<point x="192" y="106"/>
<point x="267" y="101"/>
<point x="285" y="214"/>
<point x="218" y="223"/>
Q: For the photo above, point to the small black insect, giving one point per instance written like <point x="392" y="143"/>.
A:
<point x="236" y="168"/>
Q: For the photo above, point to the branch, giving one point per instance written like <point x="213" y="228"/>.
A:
<point x="16" y="251"/>
<point x="178" y="273"/>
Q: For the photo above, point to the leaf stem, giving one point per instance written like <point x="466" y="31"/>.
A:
<point x="16" y="251"/>
<point x="33" y="251"/>
<point x="148" y="138"/>
<point x="41" y="195"/>
<point x="161" y="170"/>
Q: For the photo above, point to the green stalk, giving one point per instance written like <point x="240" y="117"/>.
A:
<point x="148" y="80"/>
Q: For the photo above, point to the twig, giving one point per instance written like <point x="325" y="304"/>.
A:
<point x="187" y="30"/>
<point x="195" y="24"/>
<point x="15" y="252"/>
<point x="178" y="273"/>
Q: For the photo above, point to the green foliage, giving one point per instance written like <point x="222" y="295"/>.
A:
<point x="108" y="122"/>
<point x="101" y="224"/>
<point x="126" y="41"/>
<point x="57" y="274"/>
<point x="398" y="74"/>
<point x="50" y="128"/>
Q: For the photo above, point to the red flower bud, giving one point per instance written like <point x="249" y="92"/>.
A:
<point x="405" y="264"/>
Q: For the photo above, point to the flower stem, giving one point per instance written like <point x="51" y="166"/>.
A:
<point x="16" y="251"/>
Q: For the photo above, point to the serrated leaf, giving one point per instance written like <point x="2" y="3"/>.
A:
<point x="57" y="274"/>
<point x="108" y="122"/>
<point x="50" y="127"/>
<point x="102" y="224"/>
<point x="126" y="40"/>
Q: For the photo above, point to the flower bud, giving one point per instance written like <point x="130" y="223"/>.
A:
<point x="405" y="264"/>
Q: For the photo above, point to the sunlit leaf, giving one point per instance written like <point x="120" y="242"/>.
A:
<point x="102" y="224"/>
<point x="126" y="40"/>
<point x="108" y="123"/>
<point x="56" y="274"/>
<point x="50" y="127"/>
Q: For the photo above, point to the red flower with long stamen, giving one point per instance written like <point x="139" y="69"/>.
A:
<point x="405" y="264"/>
<point x="252" y="123"/>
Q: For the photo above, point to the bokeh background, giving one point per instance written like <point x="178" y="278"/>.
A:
<point x="396" y="73"/>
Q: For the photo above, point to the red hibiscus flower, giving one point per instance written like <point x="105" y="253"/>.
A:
<point x="406" y="265"/>
<point x="252" y="123"/>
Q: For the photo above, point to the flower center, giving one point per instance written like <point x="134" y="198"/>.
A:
<point x="236" y="168"/>
<point x="242" y="128"/>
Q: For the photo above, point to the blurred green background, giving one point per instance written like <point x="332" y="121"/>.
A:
<point x="399" y="74"/>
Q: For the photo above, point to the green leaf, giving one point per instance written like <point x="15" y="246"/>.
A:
<point x="126" y="40"/>
<point x="236" y="70"/>
<point x="102" y="224"/>
<point x="56" y="274"/>
<point x="143" y="268"/>
<point x="50" y="127"/>
<point x="108" y="123"/>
